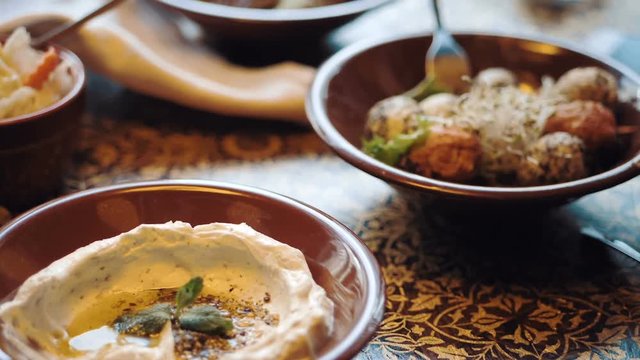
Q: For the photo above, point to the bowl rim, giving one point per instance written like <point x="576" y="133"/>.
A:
<point x="79" y="84"/>
<point x="274" y="15"/>
<point x="316" y="112"/>
<point x="372" y="313"/>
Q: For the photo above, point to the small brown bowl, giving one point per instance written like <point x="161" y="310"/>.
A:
<point x="224" y="22"/>
<point x="36" y="148"/>
<point x="354" y="79"/>
<point x="339" y="261"/>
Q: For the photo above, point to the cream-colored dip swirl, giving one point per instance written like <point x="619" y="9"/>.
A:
<point x="35" y="323"/>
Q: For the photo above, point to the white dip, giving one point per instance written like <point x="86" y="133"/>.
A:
<point x="55" y="310"/>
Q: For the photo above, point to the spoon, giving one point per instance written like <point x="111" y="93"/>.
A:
<point x="62" y="30"/>
<point x="447" y="64"/>
<point x="619" y="245"/>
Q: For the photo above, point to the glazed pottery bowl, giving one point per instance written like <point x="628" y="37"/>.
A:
<point x="338" y="260"/>
<point x="257" y="25"/>
<point x="354" y="79"/>
<point x="35" y="148"/>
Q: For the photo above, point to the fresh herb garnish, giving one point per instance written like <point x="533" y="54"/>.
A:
<point x="391" y="151"/>
<point x="145" y="322"/>
<point x="188" y="293"/>
<point x="205" y="319"/>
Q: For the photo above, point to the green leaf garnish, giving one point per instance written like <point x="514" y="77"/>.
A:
<point x="390" y="152"/>
<point x="205" y="319"/>
<point x="144" y="323"/>
<point x="188" y="293"/>
<point x="202" y="318"/>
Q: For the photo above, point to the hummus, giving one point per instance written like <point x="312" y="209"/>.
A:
<point x="67" y="309"/>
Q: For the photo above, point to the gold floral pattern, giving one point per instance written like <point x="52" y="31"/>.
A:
<point x="434" y="311"/>
<point x="454" y="291"/>
<point x="457" y="287"/>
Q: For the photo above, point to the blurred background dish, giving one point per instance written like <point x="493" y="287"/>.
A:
<point x="338" y="106"/>
<point x="276" y="4"/>
<point x="338" y="260"/>
<point x="36" y="147"/>
<point x="146" y="49"/>
<point x="254" y="25"/>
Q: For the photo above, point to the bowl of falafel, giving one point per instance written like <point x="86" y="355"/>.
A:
<point x="539" y="122"/>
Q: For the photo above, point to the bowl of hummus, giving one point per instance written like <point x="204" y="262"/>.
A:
<point x="184" y="270"/>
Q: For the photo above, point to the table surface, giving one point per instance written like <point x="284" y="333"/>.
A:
<point x="456" y="288"/>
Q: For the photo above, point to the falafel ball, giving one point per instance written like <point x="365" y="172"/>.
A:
<point x="442" y="105"/>
<point x="448" y="153"/>
<point x="496" y="77"/>
<point x="590" y="121"/>
<point x="392" y="116"/>
<point x="554" y="158"/>
<point x="588" y="83"/>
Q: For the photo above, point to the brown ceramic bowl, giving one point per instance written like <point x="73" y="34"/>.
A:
<point x="256" y="25"/>
<point x="339" y="261"/>
<point x="35" y="148"/>
<point x="350" y="82"/>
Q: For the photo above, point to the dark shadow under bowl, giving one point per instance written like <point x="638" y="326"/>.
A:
<point x="354" y="79"/>
<point x="339" y="261"/>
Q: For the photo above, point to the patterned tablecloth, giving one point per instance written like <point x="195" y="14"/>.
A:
<point x="526" y="287"/>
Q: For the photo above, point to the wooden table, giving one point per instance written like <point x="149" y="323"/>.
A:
<point x="456" y="288"/>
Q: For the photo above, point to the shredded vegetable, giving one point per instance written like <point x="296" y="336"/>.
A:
<point x="507" y="119"/>
<point x="30" y="79"/>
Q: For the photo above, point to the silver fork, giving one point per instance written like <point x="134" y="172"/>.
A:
<point x="64" y="29"/>
<point x="447" y="63"/>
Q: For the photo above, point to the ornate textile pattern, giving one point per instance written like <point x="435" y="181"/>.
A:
<point x="458" y="286"/>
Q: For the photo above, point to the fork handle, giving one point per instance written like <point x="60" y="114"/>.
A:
<point x="66" y="28"/>
<point x="436" y="11"/>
